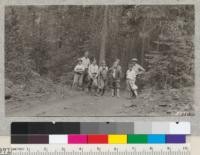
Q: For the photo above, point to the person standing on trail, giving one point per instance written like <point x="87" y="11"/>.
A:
<point x="130" y="81"/>
<point x="78" y="74"/>
<point x="103" y="77"/>
<point x="138" y="69"/>
<point x="93" y="71"/>
<point x="116" y="74"/>
<point x="86" y="62"/>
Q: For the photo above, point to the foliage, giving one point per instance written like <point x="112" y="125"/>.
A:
<point x="47" y="40"/>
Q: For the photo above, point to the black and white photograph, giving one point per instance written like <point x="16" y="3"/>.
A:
<point x="99" y="60"/>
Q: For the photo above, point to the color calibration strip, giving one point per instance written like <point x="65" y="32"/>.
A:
<point x="99" y="133"/>
<point x="101" y="128"/>
<point x="99" y="139"/>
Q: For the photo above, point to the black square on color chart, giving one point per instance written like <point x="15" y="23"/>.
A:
<point x="30" y="139"/>
<point x="19" y="128"/>
<point x="45" y="128"/>
<point x="19" y="139"/>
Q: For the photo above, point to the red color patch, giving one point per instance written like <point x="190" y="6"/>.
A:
<point x="97" y="139"/>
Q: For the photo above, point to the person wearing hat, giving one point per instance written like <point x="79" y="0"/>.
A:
<point x="138" y="68"/>
<point x="78" y="74"/>
<point x="130" y="81"/>
<point x="103" y="77"/>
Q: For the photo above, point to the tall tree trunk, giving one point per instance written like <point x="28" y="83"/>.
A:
<point x="143" y="44"/>
<point x="104" y="35"/>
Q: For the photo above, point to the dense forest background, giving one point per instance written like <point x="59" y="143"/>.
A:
<point x="42" y="43"/>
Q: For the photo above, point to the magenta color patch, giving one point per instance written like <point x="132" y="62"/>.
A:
<point x="77" y="139"/>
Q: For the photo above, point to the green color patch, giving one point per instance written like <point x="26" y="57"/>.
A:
<point x="137" y="139"/>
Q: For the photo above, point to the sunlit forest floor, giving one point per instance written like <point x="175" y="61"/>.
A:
<point x="43" y="44"/>
<point x="68" y="102"/>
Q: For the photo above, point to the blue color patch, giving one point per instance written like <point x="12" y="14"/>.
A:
<point x="156" y="139"/>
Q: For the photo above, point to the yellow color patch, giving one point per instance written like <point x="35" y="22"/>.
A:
<point x="117" y="139"/>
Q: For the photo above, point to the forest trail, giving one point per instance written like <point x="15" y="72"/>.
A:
<point x="42" y="45"/>
<point x="78" y="103"/>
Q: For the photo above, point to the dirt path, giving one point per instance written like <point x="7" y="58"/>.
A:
<point x="75" y="103"/>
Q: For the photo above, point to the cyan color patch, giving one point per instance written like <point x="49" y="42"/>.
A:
<point x="156" y="139"/>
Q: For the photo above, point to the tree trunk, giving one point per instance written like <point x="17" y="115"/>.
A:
<point x="143" y="44"/>
<point x="104" y="35"/>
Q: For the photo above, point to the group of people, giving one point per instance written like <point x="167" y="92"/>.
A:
<point x="87" y="74"/>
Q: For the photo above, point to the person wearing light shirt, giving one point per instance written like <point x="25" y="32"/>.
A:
<point x="130" y="80"/>
<point x="138" y="68"/>
<point x="78" y="74"/>
<point x="139" y="71"/>
<point x="86" y="63"/>
<point x="93" y="74"/>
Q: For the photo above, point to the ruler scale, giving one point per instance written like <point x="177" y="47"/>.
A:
<point x="120" y="149"/>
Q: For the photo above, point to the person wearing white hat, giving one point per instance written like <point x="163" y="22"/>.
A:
<point x="138" y="68"/>
<point x="130" y="81"/>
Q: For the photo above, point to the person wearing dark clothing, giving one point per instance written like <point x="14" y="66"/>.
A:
<point x="116" y="74"/>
